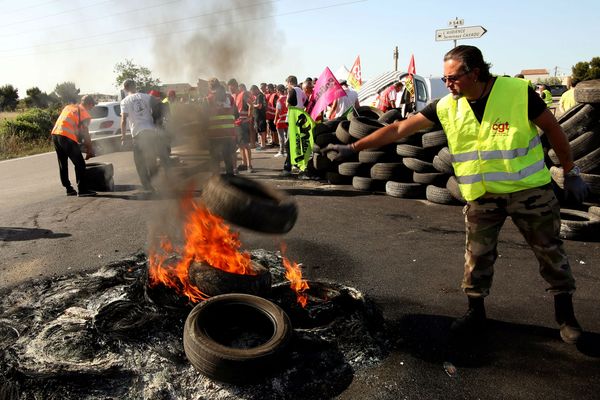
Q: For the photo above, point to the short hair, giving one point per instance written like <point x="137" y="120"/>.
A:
<point x="213" y="83"/>
<point x="292" y="80"/>
<point x="232" y="82"/>
<point x="471" y="58"/>
<point x="88" y="100"/>
<point x="520" y="76"/>
<point x="129" y="84"/>
<point x="281" y="88"/>
<point x="271" y="86"/>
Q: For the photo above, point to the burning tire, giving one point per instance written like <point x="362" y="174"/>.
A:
<point x="250" y="204"/>
<point x="236" y="338"/>
<point x="99" y="176"/>
<point x="214" y="281"/>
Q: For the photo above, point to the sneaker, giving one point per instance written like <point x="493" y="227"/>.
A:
<point x="278" y="155"/>
<point x="71" y="192"/>
<point x="285" y="173"/>
<point x="304" y="177"/>
<point x="242" y="167"/>
<point x="258" y="148"/>
<point x="251" y="170"/>
<point x="87" y="193"/>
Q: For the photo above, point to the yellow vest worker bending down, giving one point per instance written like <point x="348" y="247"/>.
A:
<point x="70" y="126"/>
<point x="498" y="160"/>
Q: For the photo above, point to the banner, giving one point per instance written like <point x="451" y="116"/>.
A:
<point x="409" y="84"/>
<point x="325" y="92"/>
<point x="300" y="134"/>
<point x="355" y="76"/>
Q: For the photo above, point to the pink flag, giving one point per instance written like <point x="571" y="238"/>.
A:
<point x="325" y="92"/>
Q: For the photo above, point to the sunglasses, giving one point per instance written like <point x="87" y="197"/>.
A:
<point x="453" y="78"/>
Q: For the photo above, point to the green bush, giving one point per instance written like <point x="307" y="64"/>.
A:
<point x="33" y="124"/>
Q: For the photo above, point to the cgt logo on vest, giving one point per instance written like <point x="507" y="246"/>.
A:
<point x="500" y="128"/>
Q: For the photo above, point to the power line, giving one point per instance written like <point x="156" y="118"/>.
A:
<point x="88" y="46"/>
<point x="56" y="14"/>
<point x="95" y="18"/>
<point x="28" y="7"/>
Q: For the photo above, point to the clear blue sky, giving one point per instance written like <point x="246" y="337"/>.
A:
<point x="45" y="42"/>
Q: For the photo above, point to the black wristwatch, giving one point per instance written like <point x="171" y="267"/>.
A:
<point x="575" y="171"/>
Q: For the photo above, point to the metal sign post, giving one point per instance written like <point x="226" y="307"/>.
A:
<point x="458" y="31"/>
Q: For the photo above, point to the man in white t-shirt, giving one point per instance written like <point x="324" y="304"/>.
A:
<point x="342" y="104"/>
<point x="137" y="110"/>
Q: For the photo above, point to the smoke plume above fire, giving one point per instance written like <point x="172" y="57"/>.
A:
<point x="222" y="38"/>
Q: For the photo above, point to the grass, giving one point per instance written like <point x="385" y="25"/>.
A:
<point x="14" y="147"/>
<point x="8" y="114"/>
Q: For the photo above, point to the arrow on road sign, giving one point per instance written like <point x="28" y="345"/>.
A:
<point x="467" y="32"/>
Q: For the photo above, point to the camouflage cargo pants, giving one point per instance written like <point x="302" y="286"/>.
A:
<point x="536" y="213"/>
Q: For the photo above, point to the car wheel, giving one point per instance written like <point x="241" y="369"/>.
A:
<point x="236" y="338"/>
<point x="250" y="204"/>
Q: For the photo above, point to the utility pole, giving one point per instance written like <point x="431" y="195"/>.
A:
<point x="396" y="59"/>
<point x="555" y="70"/>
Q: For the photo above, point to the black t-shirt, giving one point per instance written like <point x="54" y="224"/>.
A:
<point x="260" y="113"/>
<point x="535" y="107"/>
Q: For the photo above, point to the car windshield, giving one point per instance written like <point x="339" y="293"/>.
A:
<point x="99" y="112"/>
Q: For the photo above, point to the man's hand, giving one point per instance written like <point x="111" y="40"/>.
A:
<point x="344" y="151"/>
<point x="89" y="152"/>
<point x="575" y="188"/>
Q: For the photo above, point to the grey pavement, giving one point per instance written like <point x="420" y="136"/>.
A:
<point x="406" y="255"/>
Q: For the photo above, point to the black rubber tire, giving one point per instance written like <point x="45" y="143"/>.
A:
<point x="342" y="134"/>
<point x="430" y="178"/>
<point x="251" y="204"/>
<point x="416" y="139"/>
<point x="325" y="139"/>
<point x="321" y="129"/>
<point x="321" y="162"/>
<point x="367" y="184"/>
<point x="391" y="116"/>
<point x="592" y="180"/>
<point x="214" y="281"/>
<point x="363" y="126"/>
<point x="452" y="186"/>
<point x="366" y="112"/>
<point x="208" y="337"/>
<point x="589" y="163"/>
<point x="594" y="212"/>
<point x="99" y="176"/>
<point x="439" y="195"/>
<point x="355" y="169"/>
<point x="578" y="225"/>
<point x="580" y="146"/>
<point x="390" y="171"/>
<point x="585" y="119"/>
<point x="434" y="139"/>
<point x="335" y="178"/>
<point x="407" y="150"/>
<point x="376" y="156"/>
<point x="406" y="190"/>
<point x="444" y="155"/>
<point x="416" y="165"/>
<point x="441" y="166"/>
<point x="588" y="91"/>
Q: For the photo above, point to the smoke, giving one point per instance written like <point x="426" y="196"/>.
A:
<point x="230" y="38"/>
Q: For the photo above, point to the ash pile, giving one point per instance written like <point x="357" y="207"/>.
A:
<point x="109" y="335"/>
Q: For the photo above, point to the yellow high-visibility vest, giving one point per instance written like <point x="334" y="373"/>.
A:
<point x="548" y="98"/>
<point x="503" y="153"/>
<point x="567" y="100"/>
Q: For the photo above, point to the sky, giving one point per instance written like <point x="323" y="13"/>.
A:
<point x="46" y="42"/>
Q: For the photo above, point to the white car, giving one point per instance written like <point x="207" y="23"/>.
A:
<point x="106" y="119"/>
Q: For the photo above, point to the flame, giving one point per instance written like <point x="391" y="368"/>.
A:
<point x="207" y="240"/>
<point x="294" y="275"/>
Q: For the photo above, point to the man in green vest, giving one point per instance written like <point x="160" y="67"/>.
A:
<point x="567" y="100"/>
<point x="498" y="160"/>
<point x="546" y="95"/>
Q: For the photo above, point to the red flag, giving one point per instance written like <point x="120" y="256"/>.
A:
<point x="355" y="76"/>
<point x="411" y="71"/>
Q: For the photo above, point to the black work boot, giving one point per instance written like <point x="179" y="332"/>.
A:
<point x="563" y="309"/>
<point x="474" y="319"/>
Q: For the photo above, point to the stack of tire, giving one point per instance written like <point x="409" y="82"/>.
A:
<point x="415" y="167"/>
<point x="581" y="125"/>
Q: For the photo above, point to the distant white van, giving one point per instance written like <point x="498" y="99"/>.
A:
<point x="426" y="89"/>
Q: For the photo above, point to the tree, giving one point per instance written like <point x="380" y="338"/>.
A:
<point x="584" y="71"/>
<point x="67" y="92"/>
<point x="36" y="98"/>
<point x="141" y="75"/>
<point x="9" y="98"/>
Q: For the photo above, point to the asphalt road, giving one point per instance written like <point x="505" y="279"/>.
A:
<point x="406" y="255"/>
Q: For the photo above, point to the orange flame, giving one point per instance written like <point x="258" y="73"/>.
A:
<point x="207" y="240"/>
<point x="294" y="275"/>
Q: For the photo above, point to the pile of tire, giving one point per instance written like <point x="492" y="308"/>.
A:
<point x="581" y="125"/>
<point x="417" y="167"/>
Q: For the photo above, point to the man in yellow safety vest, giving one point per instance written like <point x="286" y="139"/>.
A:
<point x="497" y="155"/>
